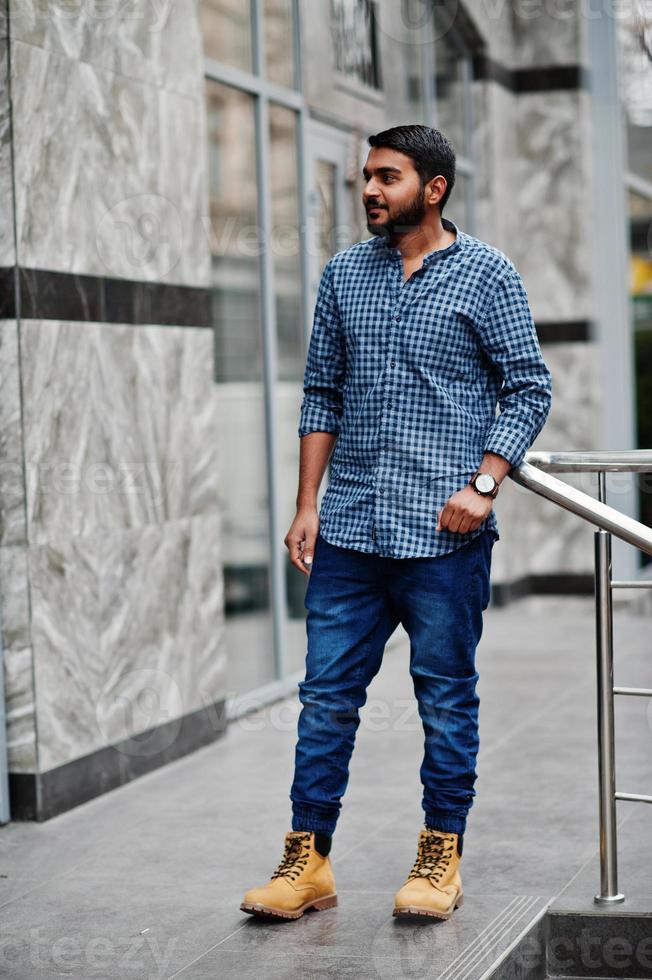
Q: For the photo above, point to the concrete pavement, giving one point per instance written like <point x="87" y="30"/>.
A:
<point x="146" y="881"/>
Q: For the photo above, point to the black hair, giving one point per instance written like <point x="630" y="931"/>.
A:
<point x="431" y="153"/>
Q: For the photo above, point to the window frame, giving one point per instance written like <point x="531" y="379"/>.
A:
<point x="265" y="92"/>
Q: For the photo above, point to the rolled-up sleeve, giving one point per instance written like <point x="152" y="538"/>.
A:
<point x="509" y="339"/>
<point x="323" y="382"/>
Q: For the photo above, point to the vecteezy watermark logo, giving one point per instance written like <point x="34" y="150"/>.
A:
<point x="40" y="954"/>
<point x="415" y="22"/>
<point x="141" y="237"/>
<point x="406" y="949"/>
<point x="141" y="710"/>
<point x="156" y="483"/>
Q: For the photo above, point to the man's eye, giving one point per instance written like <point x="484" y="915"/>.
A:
<point x="389" y="177"/>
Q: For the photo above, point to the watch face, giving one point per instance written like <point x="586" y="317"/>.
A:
<point x="485" y="482"/>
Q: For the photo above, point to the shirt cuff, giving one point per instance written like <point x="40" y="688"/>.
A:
<point x="509" y="442"/>
<point x="316" y="418"/>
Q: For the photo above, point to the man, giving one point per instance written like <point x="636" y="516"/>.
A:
<point x="420" y="333"/>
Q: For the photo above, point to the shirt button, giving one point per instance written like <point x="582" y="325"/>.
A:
<point x="392" y="363"/>
<point x="389" y="403"/>
<point x="398" y="317"/>
<point x="381" y="489"/>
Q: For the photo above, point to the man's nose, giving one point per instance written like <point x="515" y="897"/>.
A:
<point x="370" y="193"/>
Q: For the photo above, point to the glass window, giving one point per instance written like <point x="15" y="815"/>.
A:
<point x="355" y="40"/>
<point x="290" y="352"/>
<point x="284" y="200"/>
<point x="325" y="190"/>
<point x="239" y="377"/>
<point x="279" y="35"/>
<point x="226" y="29"/>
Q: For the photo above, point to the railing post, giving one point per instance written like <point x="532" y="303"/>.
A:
<point x="606" y="743"/>
<point x="534" y="473"/>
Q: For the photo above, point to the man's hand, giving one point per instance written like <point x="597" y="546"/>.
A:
<point x="302" y="535"/>
<point x="464" y="511"/>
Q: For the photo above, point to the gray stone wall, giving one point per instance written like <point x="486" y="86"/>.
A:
<point x="110" y="534"/>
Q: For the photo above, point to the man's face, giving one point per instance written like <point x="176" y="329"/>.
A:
<point x="393" y="195"/>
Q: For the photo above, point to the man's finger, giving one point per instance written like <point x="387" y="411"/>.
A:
<point x="445" y="517"/>
<point x="294" y="549"/>
<point x="455" y="521"/>
<point x="309" y="548"/>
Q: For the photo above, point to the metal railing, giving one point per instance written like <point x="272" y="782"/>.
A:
<point x="534" y="473"/>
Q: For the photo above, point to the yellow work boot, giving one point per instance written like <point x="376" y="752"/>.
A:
<point x="433" y="887"/>
<point x="303" y="880"/>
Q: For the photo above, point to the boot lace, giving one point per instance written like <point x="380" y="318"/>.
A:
<point x="433" y="857"/>
<point x="295" y="857"/>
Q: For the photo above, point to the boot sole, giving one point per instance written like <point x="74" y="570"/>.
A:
<point x="417" y="912"/>
<point x="267" y="912"/>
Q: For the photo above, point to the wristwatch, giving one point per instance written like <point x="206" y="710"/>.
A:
<point x="484" y="484"/>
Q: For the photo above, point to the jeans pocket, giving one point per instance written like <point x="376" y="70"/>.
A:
<point x="483" y="567"/>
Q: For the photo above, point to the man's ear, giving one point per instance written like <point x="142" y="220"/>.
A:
<point x="436" y="189"/>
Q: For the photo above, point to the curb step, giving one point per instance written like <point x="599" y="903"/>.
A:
<point x="574" y="945"/>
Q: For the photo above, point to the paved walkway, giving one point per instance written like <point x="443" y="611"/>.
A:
<point x="146" y="881"/>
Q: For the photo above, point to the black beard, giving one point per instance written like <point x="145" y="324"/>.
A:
<point x="407" y="219"/>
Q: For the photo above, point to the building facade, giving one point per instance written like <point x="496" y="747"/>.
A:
<point x="173" y="179"/>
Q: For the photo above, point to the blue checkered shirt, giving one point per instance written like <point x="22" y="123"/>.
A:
<point x="410" y="376"/>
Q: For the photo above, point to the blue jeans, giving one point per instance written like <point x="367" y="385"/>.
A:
<point x="355" y="601"/>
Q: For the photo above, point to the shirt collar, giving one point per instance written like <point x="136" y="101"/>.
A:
<point x="392" y="251"/>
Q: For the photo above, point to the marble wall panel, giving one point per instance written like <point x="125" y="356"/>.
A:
<point x="537" y="536"/>
<point x="120" y="426"/>
<point x="7" y="250"/>
<point x="552" y="244"/>
<point x="493" y="19"/>
<point x="15" y="598"/>
<point x="531" y="33"/>
<point x="494" y="140"/>
<point x="17" y="657"/>
<point x="183" y="181"/>
<point x="12" y="484"/>
<point x="110" y="172"/>
<point x="128" y="633"/>
<point x="548" y="32"/>
<point x="155" y="41"/>
<point x="20" y="711"/>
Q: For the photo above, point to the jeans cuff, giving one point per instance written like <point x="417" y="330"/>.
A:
<point x="445" y="821"/>
<point x="305" y="820"/>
